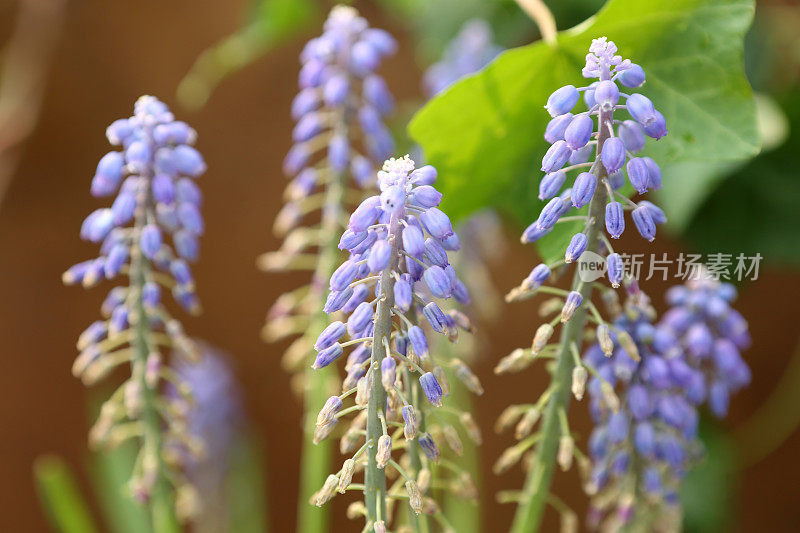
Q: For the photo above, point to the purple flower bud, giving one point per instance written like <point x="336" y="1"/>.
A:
<point x="188" y="161"/>
<point x="460" y="293"/>
<point x="181" y="272"/>
<point x="657" y="128"/>
<point x="307" y="127"/>
<point x="116" y="260"/>
<point x="410" y="419"/>
<point x="644" y="439"/>
<point x="562" y="100"/>
<point x="533" y="233"/>
<point x="577" y="245"/>
<point x="364" y="58"/>
<point x="362" y="170"/>
<point x="187" y="190"/>
<point x="419" y="342"/>
<point x="631" y="135"/>
<point x="632" y="77"/>
<point x="615" y="219"/>
<point x="644" y="222"/>
<point x="306" y="101"/>
<point x="588" y="95"/>
<point x="295" y="159"/>
<point x="435" y="317"/>
<point x="551" y="184"/>
<point x="573" y="301"/>
<point x="435" y="253"/>
<point x="336" y="299"/>
<point x="638" y="174"/>
<point x="699" y="340"/>
<point x="583" y="190"/>
<point x="423" y="176"/>
<point x="615" y="269"/>
<point x="151" y="294"/>
<point x="311" y="74"/>
<point x="617" y="428"/>
<point x="381" y="40"/>
<point x="350" y="239"/>
<point x="537" y="277"/>
<point x="556" y="156"/>
<point x="123" y="208"/>
<point x="163" y="189"/>
<point x="379" y="255"/>
<point x="335" y="90"/>
<point x="328" y="355"/>
<point x="426" y="196"/>
<point x="190" y="218"/>
<point x="718" y="399"/>
<point x="339" y="153"/>
<point x="581" y="155"/>
<point x="330" y="335"/>
<point x="150" y="240"/>
<point x="402" y="295"/>
<point x="138" y="156"/>
<point x="119" y="131"/>
<point x="652" y="481"/>
<point x="551" y="213"/>
<point x="641" y="109"/>
<point x="556" y="127"/>
<point x="613" y="154"/>
<point x="437" y="281"/>
<point x="377" y="93"/>
<point x="413" y="241"/>
<point x="431" y="388"/>
<point x="579" y="131"/>
<point x="639" y="402"/>
<point x="616" y="180"/>
<point x="429" y="448"/>
<point x="108" y="174"/>
<point x="436" y="223"/>
<point x="359" y="319"/>
<point x="365" y="214"/>
<point x="344" y="275"/>
<point x="606" y="95"/>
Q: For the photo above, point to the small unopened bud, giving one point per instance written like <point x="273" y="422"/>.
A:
<point x="462" y="321"/>
<point x="473" y="430"/>
<point x="513" y="362"/>
<point x="467" y="377"/>
<point x="550" y="306"/>
<point x="152" y="369"/>
<point x="187" y="502"/>
<point x="566" y="447"/>
<point x="569" y="522"/>
<point x="509" y="415"/>
<point x="414" y="496"/>
<point x="509" y="458"/>
<point x="611" y="302"/>
<point x="541" y="338"/>
<point x="465" y="488"/>
<point x="410" y="418"/>
<point x="346" y="477"/>
<point x="627" y="344"/>
<point x="380" y="527"/>
<point x="574" y="300"/>
<point x="609" y="396"/>
<point x="322" y="432"/>
<point x="453" y="441"/>
<point x="388" y="373"/>
<point x="327" y="491"/>
<point x="349" y="441"/>
<point x="134" y="398"/>
<point x="441" y="377"/>
<point x="527" y="422"/>
<point x="424" y="480"/>
<point x="328" y="412"/>
<point x="356" y="509"/>
<point x="579" y="376"/>
<point x="363" y="390"/>
<point x="384" y="452"/>
<point x="604" y="339"/>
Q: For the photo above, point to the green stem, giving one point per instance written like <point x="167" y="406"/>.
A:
<point x="418" y="523"/>
<point x="161" y="500"/>
<point x="374" y="477"/>
<point x="537" y="484"/>
<point x="316" y="458"/>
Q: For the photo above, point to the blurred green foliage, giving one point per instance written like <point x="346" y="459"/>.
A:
<point x="61" y="497"/>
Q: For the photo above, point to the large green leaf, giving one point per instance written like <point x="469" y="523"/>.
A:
<point x="485" y="133"/>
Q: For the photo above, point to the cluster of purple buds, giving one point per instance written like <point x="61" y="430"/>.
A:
<point x="468" y="52"/>
<point x="339" y="134"/>
<point x="711" y="335"/>
<point x="643" y="403"/>
<point x="150" y="234"/>
<point x="575" y="139"/>
<point x="398" y="243"/>
<point x="341" y="99"/>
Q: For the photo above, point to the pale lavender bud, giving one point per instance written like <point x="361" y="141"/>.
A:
<point x="583" y="190"/>
<point x="410" y="426"/>
<point x="343" y="276"/>
<point x="436" y="223"/>
<point x="426" y="196"/>
<point x="615" y="269"/>
<point x="606" y="95"/>
<point x="388" y="372"/>
<point x="654" y="173"/>
<point x="644" y="222"/>
<point x="615" y="219"/>
<point x="419" y="341"/>
<point x="613" y="154"/>
<point x="413" y="241"/>
<point x="657" y="128"/>
<point x="150" y="240"/>
<point x="632" y="77"/>
<point x="327" y="355"/>
<point x="402" y="295"/>
<point x="556" y="156"/>
<point x="579" y="131"/>
<point x="533" y="233"/>
<point x="573" y="301"/>
<point x="435" y="317"/>
<point x="562" y="100"/>
<point x="638" y="174"/>
<point x="425" y="175"/>
<point x="631" y="135"/>
<point x="556" y="128"/>
<point x="641" y="109"/>
<point x="537" y="277"/>
<point x="437" y="281"/>
<point x="551" y="184"/>
<point x="379" y="255"/>
<point x="328" y="412"/>
<point x="330" y="335"/>
<point x="429" y="448"/>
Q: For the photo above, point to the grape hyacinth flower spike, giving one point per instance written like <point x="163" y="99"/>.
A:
<point x="340" y="140"/>
<point x="150" y="235"/>
<point x="712" y="335"/>
<point x="400" y="256"/>
<point x="593" y="149"/>
<point x="645" y="435"/>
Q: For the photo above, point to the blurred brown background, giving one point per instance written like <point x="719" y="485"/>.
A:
<point x="112" y="52"/>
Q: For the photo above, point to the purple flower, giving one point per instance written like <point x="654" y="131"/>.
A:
<point x="431" y="388"/>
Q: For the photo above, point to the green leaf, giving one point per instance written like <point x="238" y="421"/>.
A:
<point x="484" y="134"/>
<point x="61" y="496"/>
<point x="110" y="471"/>
<point x="246" y="490"/>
